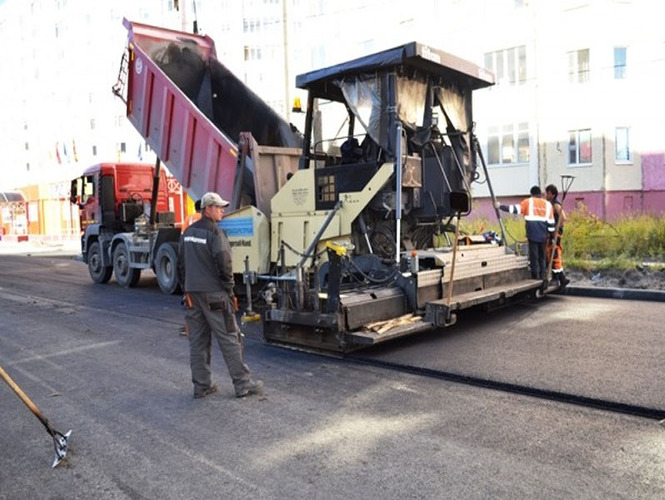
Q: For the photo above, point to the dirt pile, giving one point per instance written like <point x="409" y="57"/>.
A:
<point x="642" y="278"/>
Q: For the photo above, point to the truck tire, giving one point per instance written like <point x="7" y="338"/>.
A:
<point x="98" y="272"/>
<point x="125" y="276"/>
<point x="166" y="268"/>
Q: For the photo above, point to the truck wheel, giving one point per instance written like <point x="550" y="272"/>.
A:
<point x="125" y="276"/>
<point x="98" y="272"/>
<point x="166" y="268"/>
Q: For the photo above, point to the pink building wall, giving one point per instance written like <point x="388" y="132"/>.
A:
<point x="653" y="172"/>
<point x="610" y="205"/>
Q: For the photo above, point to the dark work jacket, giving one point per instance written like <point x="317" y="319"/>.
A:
<point x="204" y="264"/>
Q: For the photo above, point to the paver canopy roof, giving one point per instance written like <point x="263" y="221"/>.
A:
<point x="415" y="56"/>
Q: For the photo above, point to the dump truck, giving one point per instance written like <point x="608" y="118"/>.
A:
<point x="130" y="216"/>
<point x="187" y="106"/>
<point x="350" y="231"/>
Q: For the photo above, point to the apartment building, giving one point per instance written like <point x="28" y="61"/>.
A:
<point x="577" y="80"/>
<point x="61" y="59"/>
<point x="577" y="94"/>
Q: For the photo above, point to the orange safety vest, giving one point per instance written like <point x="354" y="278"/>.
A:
<point x="539" y="216"/>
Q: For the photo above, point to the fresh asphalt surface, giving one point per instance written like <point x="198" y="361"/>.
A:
<point x="109" y="364"/>
<point x="606" y="349"/>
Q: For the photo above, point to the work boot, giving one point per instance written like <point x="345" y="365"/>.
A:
<point x="250" y="388"/>
<point x="202" y="393"/>
<point x="563" y="281"/>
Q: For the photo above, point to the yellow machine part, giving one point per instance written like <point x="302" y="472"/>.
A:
<point x="296" y="221"/>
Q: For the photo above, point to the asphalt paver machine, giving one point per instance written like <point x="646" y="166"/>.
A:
<point x="365" y="233"/>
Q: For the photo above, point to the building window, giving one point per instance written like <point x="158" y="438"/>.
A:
<point x="523" y="146"/>
<point x="92" y="124"/>
<point x="508" y="66"/>
<point x="622" y="144"/>
<point x="27" y="167"/>
<point x="27" y="146"/>
<point x="578" y="66"/>
<point x="508" y="144"/>
<point x="123" y="147"/>
<point x="253" y="53"/>
<point x="579" y="147"/>
<point x="94" y="150"/>
<point x="620" y="60"/>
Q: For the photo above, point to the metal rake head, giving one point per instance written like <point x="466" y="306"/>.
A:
<point x="60" y="443"/>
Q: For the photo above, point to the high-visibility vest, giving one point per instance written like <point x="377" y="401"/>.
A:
<point x="539" y="216"/>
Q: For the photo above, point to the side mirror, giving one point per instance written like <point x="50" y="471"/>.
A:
<point x="459" y="202"/>
<point x="73" y="195"/>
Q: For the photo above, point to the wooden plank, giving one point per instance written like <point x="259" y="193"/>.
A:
<point x="370" y="337"/>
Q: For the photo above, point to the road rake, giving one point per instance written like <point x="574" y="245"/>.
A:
<point x="60" y="441"/>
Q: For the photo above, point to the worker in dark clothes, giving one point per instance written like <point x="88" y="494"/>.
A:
<point x="206" y="274"/>
<point x="551" y="194"/>
<point x="539" y="218"/>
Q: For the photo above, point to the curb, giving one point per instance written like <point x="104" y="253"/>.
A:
<point x="616" y="293"/>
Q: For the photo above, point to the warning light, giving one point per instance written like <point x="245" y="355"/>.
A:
<point x="297" y="107"/>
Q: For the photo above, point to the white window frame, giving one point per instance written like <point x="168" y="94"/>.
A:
<point x="577" y="134"/>
<point x="627" y="157"/>
<point x="507" y="140"/>
<point x="578" y="71"/>
<point x="508" y="65"/>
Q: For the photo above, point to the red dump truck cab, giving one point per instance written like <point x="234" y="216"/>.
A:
<point x="112" y="195"/>
<point x="115" y="203"/>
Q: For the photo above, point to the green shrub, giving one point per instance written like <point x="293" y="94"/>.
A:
<point x="639" y="238"/>
<point x="589" y="241"/>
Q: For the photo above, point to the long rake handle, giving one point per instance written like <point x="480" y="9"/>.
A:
<point x="28" y="402"/>
<point x="550" y="257"/>
<point x="452" y="267"/>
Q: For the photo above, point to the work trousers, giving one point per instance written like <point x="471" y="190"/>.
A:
<point x="557" y="262"/>
<point x="213" y="314"/>
<point x="537" y="259"/>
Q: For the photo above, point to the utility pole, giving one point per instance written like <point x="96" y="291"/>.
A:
<point x="285" y="31"/>
<point x="183" y="15"/>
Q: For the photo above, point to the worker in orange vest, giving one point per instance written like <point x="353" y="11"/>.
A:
<point x="539" y="218"/>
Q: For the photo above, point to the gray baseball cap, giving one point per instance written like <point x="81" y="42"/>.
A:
<point x="213" y="199"/>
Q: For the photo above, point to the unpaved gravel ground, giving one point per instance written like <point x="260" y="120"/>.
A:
<point x="644" y="278"/>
